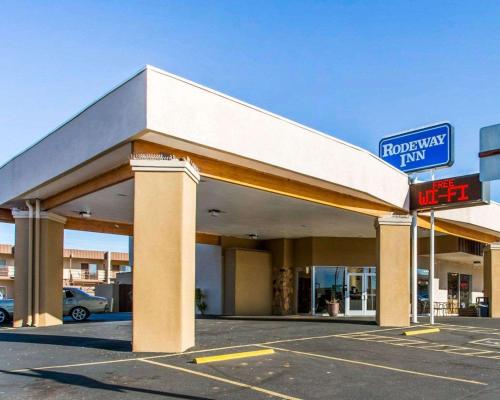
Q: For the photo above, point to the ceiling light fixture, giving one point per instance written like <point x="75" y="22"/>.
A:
<point x="214" y="212"/>
<point x="253" y="236"/>
<point x="85" y="214"/>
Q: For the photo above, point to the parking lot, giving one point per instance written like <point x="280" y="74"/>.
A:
<point x="311" y="360"/>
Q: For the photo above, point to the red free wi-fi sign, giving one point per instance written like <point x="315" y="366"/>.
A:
<point x="460" y="191"/>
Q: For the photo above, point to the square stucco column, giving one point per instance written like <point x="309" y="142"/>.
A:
<point x="393" y="270"/>
<point x="492" y="278"/>
<point x="39" y="269"/>
<point x="164" y="255"/>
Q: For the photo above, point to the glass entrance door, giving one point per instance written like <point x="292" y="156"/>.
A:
<point x="371" y="294"/>
<point x="360" y="296"/>
<point x="354" y="294"/>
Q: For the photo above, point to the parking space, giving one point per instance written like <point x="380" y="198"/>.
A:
<point x="311" y="361"/>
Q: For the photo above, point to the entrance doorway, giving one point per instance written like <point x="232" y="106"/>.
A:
<point x="303" y="291"/>
<point x="354" y="288"/>
<point x="360" y="294"/>
<point x="459" y="291"/>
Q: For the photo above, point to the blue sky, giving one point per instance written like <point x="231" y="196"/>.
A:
<point x="358" y="70"/>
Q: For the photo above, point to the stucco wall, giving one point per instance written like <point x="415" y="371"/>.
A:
<point x="111" y="120"/>
<point x="329" y="251"/>
<point x="196" y="114"/>
<point x="249" y="272"/>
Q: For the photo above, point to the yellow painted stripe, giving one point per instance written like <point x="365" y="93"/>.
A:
<point x="421" y="331"/>
<point x="232" y="356"/>
<point x="367" y="364"/>
<point x="220" y="379"/>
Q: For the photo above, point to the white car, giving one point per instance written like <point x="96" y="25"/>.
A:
<point x="76" y="303"/>
<point x="79" y="305"/>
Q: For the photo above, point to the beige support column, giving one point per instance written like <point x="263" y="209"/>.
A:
<point x="492" y="278"/>
<point x="393" y="270"/>
<point x="38" y="288"/>
<point x="22" y="284"/>
<point x="164" y="255"/>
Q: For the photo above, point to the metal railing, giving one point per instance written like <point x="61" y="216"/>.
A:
<point x="7" y="271"/>
<point x="77" y="274"/>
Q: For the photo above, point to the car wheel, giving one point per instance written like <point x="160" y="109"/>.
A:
<point x="79" y="314"/>
<point x="4" y="317"/>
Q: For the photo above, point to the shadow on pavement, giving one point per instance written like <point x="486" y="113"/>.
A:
<point x="74" y="341"/>
<point x="293" y="318"/>
<point x="104" y="317"/>
<point x="86" y="382"/>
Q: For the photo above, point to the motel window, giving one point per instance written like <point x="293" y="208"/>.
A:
<point x="92" y="269"/>
<point x="3" y="262"/>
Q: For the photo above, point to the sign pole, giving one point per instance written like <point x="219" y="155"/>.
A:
<point x="414" y="262"/>
<point x="414" y="266"/>
<point x="431" y="266"/>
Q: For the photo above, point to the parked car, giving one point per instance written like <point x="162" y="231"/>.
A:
<point x="79" y="304"/>
<point x="6" y="310"/>
<point x="76" y="303"/>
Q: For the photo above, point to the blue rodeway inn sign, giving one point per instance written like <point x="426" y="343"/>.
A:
<point x="421" y="149"/>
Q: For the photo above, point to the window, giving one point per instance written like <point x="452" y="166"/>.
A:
<point x="92" y="269"/>
<point x="3" y="292"/>
<point x="459" y="290"/>
<point x="3" y="262"/>
<point x="68" y="294"/>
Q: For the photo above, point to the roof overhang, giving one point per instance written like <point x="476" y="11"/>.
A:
<point x="158" y="108"/>
<point x="162" y="108"/>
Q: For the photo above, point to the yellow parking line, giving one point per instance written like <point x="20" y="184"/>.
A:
<point x="497" y="356"/>
<point x="339" y="335"/>
<point x="131" y="358"/>
<point x="431" y="346"/>
<point x="371" y="331"/>
<point x="407" y="343"/>
<point x="482" y="353"/>
<point x="225" y="380"/>
<point x="366" y="364"/>
<point x="232" y="356"/>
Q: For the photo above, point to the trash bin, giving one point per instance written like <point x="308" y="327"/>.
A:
<point x="482" y="307"/>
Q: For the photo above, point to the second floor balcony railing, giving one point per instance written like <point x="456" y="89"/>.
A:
<point x="76" y="274"/>
<point x="7" y="271"/>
